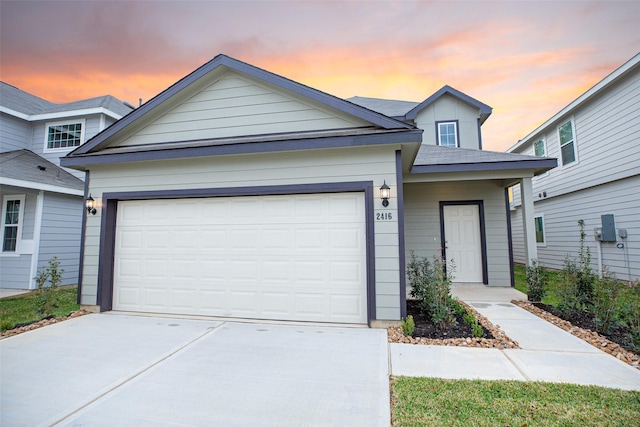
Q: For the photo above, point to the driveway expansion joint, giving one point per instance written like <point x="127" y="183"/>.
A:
<point x="135" y="375"/>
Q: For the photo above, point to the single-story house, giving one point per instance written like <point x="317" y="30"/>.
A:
<point x="239" y="193"/>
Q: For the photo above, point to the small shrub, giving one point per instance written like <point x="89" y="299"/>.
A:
<point x="630" y="313"/>
<point x="605" y="307"/>
<point x="408" y="326"/>
<point x="537" y="281"/>
<point x="431" y="286"/>
<point x="575" y="290"/>
<point x="46" y="301"/>
<point x="458" y="309"/>
<point x="471" y="320"/>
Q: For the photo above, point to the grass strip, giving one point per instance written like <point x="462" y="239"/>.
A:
<point x="23" y="308"/>
<point x="439" y="402"/>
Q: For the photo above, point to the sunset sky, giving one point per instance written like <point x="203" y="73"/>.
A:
<point x="525" y="59"/>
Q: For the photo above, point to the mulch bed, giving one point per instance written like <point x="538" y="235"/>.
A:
<point x="459" y="334"/>
<point x="583" y="329"/>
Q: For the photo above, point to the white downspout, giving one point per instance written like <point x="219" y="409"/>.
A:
<point x="528" y="221"/>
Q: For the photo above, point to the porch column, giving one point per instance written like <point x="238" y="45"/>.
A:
<point x="528" y="222"/>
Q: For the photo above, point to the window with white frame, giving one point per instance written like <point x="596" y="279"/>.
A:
<point x="447" y="134"/>
<point x="64" y="135"/>
<point x="12" y="214"/>
<point x="540" y="237"/>
<point x="539" y="149"/>
<point x="566" y="135"/>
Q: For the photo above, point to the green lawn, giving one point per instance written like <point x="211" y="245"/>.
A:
<point x="22" y="309"/>
<point x="520" y="273"/>
<point x="437" y="402"/>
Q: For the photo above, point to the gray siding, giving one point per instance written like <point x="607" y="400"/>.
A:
<point x="92" y="127"/>
<point x="237" y="105"/>
<point x="15" y="134"/>
<point x="289" y="168"/>
<point x="620" y="198"/>
<point x="449" y="108"/>
<point x="15" y="268"/>
<point x="60" y="234"/>
<point x="422" y="221"/>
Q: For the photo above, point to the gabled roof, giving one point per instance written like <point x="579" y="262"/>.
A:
<point x="484" y="109"/>
<point x="223" y="63"/>
<point x="435" y="158"/>
<point x="406" y="110"/>
<point x="25" y="168"/>
<point x="623" y="70"/>
<point x="16" y="100"/>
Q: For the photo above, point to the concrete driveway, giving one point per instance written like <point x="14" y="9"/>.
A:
<point x="114" y="369"/>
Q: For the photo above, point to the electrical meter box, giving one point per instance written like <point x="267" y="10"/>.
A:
<point x="608" y="228"/>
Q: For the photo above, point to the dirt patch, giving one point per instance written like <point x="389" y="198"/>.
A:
<point x="599" y="341"/>
<point x="458" y="335"/>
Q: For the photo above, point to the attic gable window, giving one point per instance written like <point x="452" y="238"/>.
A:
<point x="566" y="135"/>
<point x="447" y="134"/>
<point x="539" y="148"/>
<point x="64" y="135"/>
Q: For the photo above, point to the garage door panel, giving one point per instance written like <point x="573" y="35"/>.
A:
<point x="299" y="257"/>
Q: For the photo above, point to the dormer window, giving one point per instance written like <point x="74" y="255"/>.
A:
<point x="64" y="135"/>
<point x="447" y="134"/>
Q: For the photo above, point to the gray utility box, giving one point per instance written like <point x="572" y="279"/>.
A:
<point x="608" y="228"/>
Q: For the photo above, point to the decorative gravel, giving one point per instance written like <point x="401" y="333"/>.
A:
<point x="40" y="324"/>
<point x="587" y="335"/>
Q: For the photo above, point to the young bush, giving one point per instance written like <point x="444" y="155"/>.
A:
<point x="471" y="320"/>
<point x="605" y="307"/>
<point x="537" y="281"/>
<point x="431" y="286"/>
<point x="630" y="313"/>
<point x="408" y="326"/>
<point x="46" y="301"/>
<point x="576" y="287"/>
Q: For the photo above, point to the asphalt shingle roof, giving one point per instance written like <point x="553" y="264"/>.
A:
<point x="25" y="165"/>
<point x="26" y="103"/>
<point x="388" y="107"/>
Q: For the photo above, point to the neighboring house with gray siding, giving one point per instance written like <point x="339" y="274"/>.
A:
<point x="239" y="193"/>
<point x="42" y="202"/>
<point x="596" y="139"/>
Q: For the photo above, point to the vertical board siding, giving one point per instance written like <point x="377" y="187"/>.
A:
<point x="233" y="106"/>
<point x="422" y="221"/>
<point x="289" y="168"/>
<point x="14" y="133"/>
<point x="620" y="198"/>
<point x="60" y="234"/>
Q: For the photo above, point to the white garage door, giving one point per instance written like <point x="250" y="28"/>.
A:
<point x="293" y="257"/>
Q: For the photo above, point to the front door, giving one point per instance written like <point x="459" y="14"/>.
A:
<point x="463" y="245"/>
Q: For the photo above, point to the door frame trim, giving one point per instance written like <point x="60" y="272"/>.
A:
<point x="110" y="208"/>
<point x="483" y="237"/>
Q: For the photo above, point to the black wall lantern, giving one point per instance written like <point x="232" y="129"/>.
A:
<point x="385" y="193"/>
<point x="89" y="204"/>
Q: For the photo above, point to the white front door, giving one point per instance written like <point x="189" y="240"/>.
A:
<point x="462" y="242"/>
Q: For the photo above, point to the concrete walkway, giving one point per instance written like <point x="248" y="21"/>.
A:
<point x="547" y="352"/>
<point x="7" y="292"/>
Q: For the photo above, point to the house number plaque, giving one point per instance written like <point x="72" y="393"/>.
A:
<point x="384" y="216"/>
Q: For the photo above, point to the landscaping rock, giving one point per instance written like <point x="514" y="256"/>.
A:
<point x="40" y="324"/>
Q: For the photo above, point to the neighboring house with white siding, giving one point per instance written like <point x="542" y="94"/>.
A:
<point x="596" y="139"/>
<point x="240" y="193"/>
<point x="42" y="203"/>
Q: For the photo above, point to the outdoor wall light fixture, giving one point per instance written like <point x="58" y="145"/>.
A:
<point x="385" y="193"/>
<point x="89" y="204"/>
